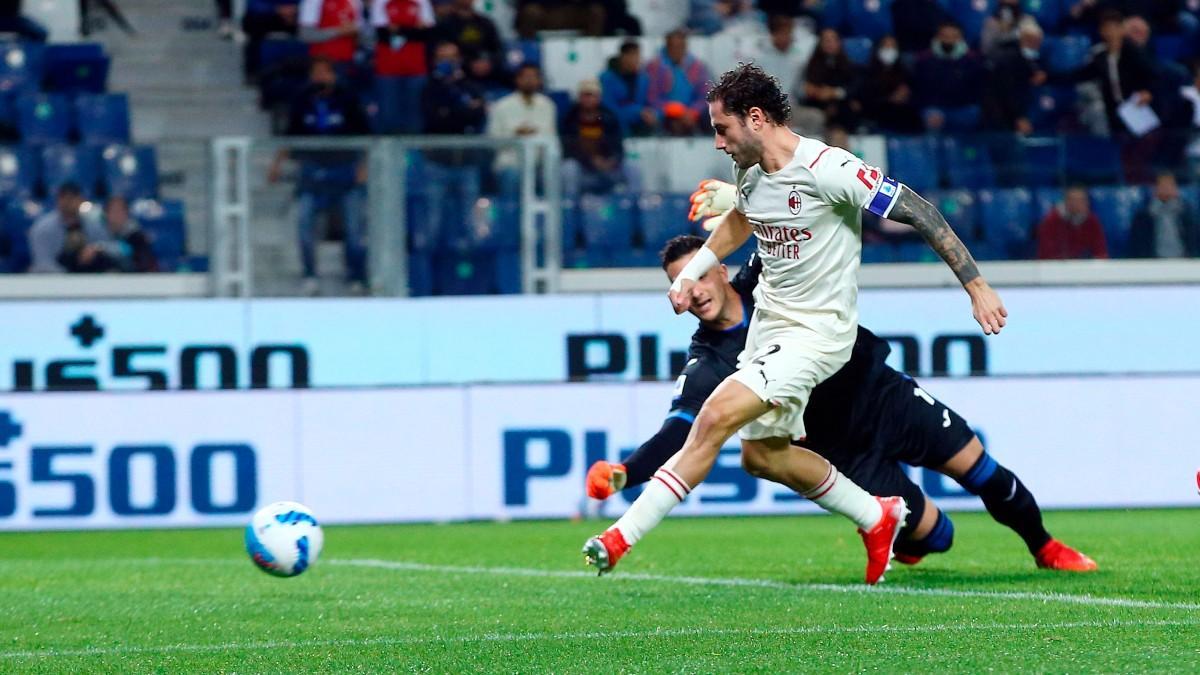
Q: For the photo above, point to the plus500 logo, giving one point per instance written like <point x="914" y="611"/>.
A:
<point x="74" y="472"/>
<point x="551" y="454"/>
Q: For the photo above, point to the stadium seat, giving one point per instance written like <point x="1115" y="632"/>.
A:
<point x="607" y="221"/>
<point x="562" y="103"/>
<point x="131" y="171"/>
<point x="572" y="235"/>
<point x="858" y="49"/>
<point x="1047" y="12"/>
<point x="1115" y="206"/>
<point x="19" y="215"/>
<point x="877" y="252"/>
<point x="494" y="224"/>
<point x="633" y="257"/>
<point x="569" y="60"/>
<point x="420" y="274"/>
<point x="1177" y="48"/>
<point x="62" y="163"/>
<point x="1065" y="53"/>
<point x="399" y="105"/>
<point x="1044" y="199"/>
<point x="465" y="274"/>
<point x="1049" y="103"/>
<point x="18" y="173"/>
<point x="833" y="14"/>
<point x="164" y="222"/>
<point x="102" y="118"/>
<point x="43" y="118"/>
<point x="1007" y="220"/>
<point x="970" y="15"/>
<point x="869" y="18"/>
<point x="913" y="160"/>
<point x="913" y="252"/>
<point x="21" y="67"/>
<point x="967" y="163"/>
<point x="959" y="208"/>
<point x="663" y="217"/>
<point x="518" y="52"/>
<point x="422" y="229"/>
<point x="508" y="272"/>
<point x="76" y="67"/>
<point x="1093" y="160"/>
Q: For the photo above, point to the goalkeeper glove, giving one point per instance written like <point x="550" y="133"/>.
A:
<point x="713" y="198"/>
<point x="604" y="479"/>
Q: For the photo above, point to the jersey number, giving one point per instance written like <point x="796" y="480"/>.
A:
<point x="868" y="178"/>
<point x="771" y="349"/>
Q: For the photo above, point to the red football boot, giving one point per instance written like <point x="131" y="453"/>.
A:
<point x="908" y="559"/>
<point x="1056" y="555"/>
<point x="604" y="551"/>
<point x="880" y="538"/>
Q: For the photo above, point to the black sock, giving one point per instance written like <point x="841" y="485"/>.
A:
<point x="1008" y="500"/>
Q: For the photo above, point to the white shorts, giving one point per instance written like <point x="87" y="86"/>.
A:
<point x="781" y="364"/>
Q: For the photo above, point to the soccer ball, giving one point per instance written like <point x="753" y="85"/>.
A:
<point x="284" y="539"/>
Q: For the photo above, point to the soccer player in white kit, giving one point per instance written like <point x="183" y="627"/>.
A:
<point x="804" y="201"/>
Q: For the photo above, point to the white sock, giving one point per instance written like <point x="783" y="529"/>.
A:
<point x="664" y="490"/>
<point x="840" y="495"/>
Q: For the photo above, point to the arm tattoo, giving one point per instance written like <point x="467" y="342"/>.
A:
<point x="912" y="209"/>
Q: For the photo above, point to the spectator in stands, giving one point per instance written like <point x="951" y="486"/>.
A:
<point x="478" y="42"/>
<point x="401" y="29"/>
<point x="915" y="22"/>
<point x="625" y="90"/>
<point x="1167" y="226"/>
<point x="124" y="248"/>
<point x="1071" y="230"/>
<point x="525" y="113"/>
<point x="1003" y="28"/>
<point x="831" y="82"/>
<point x="619" y="21"/>
<point x="786" y="54"/>
<point x="592" y="150"/>
<point x="262" y="18"/>
<point x="453" y="104"/>
<point x="585" y="16"/>
<point x="678" y="84"/>
<point x="13" y="21"/>
<point x="48" y="235"/>
<point x="708" y="17"/>
<point x="948" y="82"/>
<point x="1015" y="70"/>
<point x="887" y="93"/>
<point x="332" y="28"/>
<point x="329" y="179"/>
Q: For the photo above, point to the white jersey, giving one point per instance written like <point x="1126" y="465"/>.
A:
<point x="808" y="220"/>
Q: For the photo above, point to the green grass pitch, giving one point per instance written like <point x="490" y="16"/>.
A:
<point x="779" y="594"/>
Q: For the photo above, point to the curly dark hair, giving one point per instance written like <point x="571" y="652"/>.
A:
<point x="749" y="86"/>
<point x="679" y="246"/>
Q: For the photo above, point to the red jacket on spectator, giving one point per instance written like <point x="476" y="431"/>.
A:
<point x="1059" y="239"/>
<point x="324" y="15"/>
<point x="400" y="48"/>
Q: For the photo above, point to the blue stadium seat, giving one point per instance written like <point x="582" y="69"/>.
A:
<point x="19" y="215"/>
<point x="131" y="171"/>
<point x="833" y="14"/>
<point x="1191" y="195"/>
<point x="102" y="118"/>
<point x="281" y="51"/>
<point x="572" y="234"/>
<point x="518" y="52"/>
<point x="494" y="224"/>
<point x="1177" y="48"/>
<point x="164" y="223"/>
<point x="967" y="163"/>
<point x="869" y="18"/>
<point x="1115" y="206"/>
<point x="664" y="217"/>
<point x="21" y="67"/>
<point x="877" y="252"/>
<point x="18" y="173"/>
<point x="1048" y="105"/>
<point x="1044" y="199"/>
<point x="633" y="257"/>
<point x="913" y="160"/>
<point x="1092" y="159"/>
<point x="970" y="14"/>
<point x="420" y="274"/>
<point x="1047" y="12"/>
<point x="858" y="49"/>
<point x="423" y="230"/>
<point x="76" y="67"/>
<point x="62" y="163"/>
<point x="562" y="102"/>
<point x="959" y="208"/>
<point x="607" y="221"/>
<point x="465" y="274"/>
<point x="399" y="105"/>
<point x="1007" y="219"/>
<point x="912" y="252"/>
<point x="508" y="272"/>
<point x="43" y="118"/>
<point x="1066" y="52"/>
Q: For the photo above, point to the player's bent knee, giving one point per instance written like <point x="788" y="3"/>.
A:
<point x="718" y="418"/>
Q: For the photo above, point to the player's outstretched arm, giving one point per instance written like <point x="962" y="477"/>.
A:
<point x="606" y="478"/>
<point x="912" y="209"/>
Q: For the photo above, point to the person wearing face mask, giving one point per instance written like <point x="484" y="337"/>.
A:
<point x="1014" y="72"/>
<point x="887" y="92"/>
<point x="948" y="82"/>
<point x="1071" y="231"/>
<point x="1003" y="28"/>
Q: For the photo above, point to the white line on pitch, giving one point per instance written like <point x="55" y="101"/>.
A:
<point x="583" y="635"/>
<point x="778" y="585"/>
